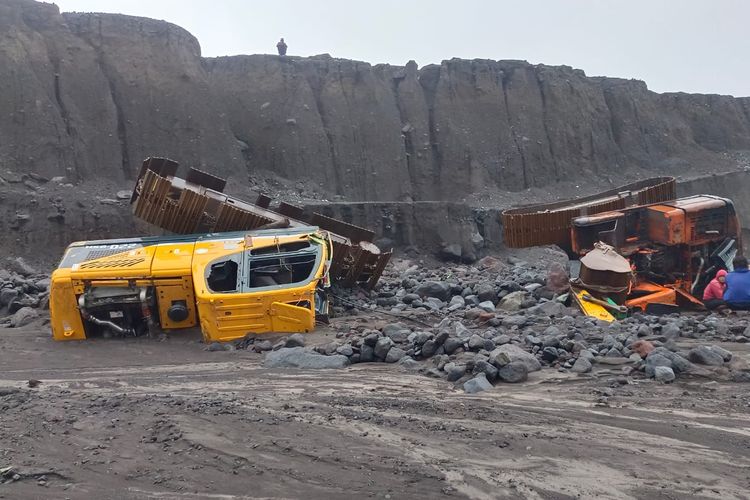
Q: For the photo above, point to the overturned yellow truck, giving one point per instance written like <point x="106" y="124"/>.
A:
<point x="234" y="267"/>
<point x="229" y="284"/>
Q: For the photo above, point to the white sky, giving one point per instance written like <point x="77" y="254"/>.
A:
<point x="674" y="45"/>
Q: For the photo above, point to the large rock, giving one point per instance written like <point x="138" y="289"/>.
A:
<point x="382" y="346"/>
<point x="514" y="353"/>
<point x="514" y="372"/>
<point x="299" y="357"/>
<point x="477" y="384"/>
<point x="512" y="302"/>
<point x="394" y="354"/>
<point x="704" y="355"/>
<point x="437" y="289"/>
<point x="23" y="317"/>
<point x="8" y="295"/>
<point x="664" y="374"/>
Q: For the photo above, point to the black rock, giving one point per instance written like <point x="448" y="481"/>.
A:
<point x="513" y="372"/>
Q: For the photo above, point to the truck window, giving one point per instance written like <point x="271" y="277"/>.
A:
<point x="289" y="269"/>
<point x="223" y="276"/>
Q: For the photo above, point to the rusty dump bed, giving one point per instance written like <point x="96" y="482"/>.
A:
<point x="550" y="223"/>
<point x="196" y="204"/>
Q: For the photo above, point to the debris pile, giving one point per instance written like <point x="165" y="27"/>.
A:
<point x="23" y="290"/>
<point x="498" y="322"/>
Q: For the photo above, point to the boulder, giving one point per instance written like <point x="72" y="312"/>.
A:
<point x="704" y="355"/>
<point x="513" y="372"/>
<point x="664" y="374"/>
<point x="394" y="354"/>
<point x="582" y="365"/>
<point x="512" y="302"/>
<point x="515" y="353"/>
<point x="437" y="289"/>
<point x="23" y="317"/>
<point x="299" y="357"/>
<point x="382" y="346"/>
<point x="477" y="384"/>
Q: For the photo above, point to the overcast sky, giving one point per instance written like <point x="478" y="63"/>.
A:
<point x="674" y="45"/>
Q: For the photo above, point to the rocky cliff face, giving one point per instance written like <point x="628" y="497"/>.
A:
<point x="90" y="95"/>
<point x="85" y="97"/>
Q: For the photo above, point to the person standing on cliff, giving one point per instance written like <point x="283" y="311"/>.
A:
<point x="281" y="47"/>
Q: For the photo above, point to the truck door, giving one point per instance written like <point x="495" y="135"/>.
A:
<point x="283" y="279"/>
<point x="229" y="313"/>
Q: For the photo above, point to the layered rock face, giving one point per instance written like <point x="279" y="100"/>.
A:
<point x="87" y="96"/>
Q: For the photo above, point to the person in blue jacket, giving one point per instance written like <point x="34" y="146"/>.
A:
<point x="737" y="294"/>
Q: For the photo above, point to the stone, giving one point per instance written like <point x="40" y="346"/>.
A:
<point x="429" y="348"/>
<point x="455" y="371"/>
<point x="486" y="293"/>
<point x="499" y="359"/>
<point x="407" y="362"/>
<point x="476" y="342"/>
<point x="23" y="317"/>
<point x="394" y="354"/>
<point x="451" y="344"/>
<point x="437" y="289"/>
<point x="679" y="364"/>
<point x="345" y="350"/>
<point x="477" y="384"/>
<point x="487" y="306"/>
<point x="655" y="359"/>
<point x="725" y="354"/>
<point x="441" y="337"/>
<point x="434" y="303"/>
<point x="371" y="339"/>
<point x="518" y="320"/>
<point x="456" y="303"/>
<point x="582" y="365"/>
<point x="704" y="355"/>
<point x="487" y="368"/>
<point x="299" y="357"/>
<point x="642" y="347"/>
<point x="664" y="374"/>
<point x="421" y="337"/>
<point x="512" y="302"/>
<point x="502" y="339"/>
<point x="670" y="330"/>
<point x="216" y="346"/>
<point x="382" y="347"/>
<point x="366" y="354"/>
<point x="8" y="295"/>
<point x="515" y="353"/>
<point x="295" y="340"/>
<point x="549" y="354"/>
<point x="399" y="336"/>
<point x="262" y="345"/>
<point x="513" y="372"/>
<point x="409" y="298"/>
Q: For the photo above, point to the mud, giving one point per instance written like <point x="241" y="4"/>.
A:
<point x="141" y="419"/>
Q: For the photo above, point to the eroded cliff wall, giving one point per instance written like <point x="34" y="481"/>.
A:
<point x="87" y="96"/>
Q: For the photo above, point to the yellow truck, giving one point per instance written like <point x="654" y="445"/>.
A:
<point x="228" y="284"/>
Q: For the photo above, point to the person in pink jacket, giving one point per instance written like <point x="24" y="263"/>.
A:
<point x="713" y="295"/>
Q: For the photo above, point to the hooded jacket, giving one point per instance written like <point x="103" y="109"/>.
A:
<point x="738" y="287"/>
<point x="715" y="289"/>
